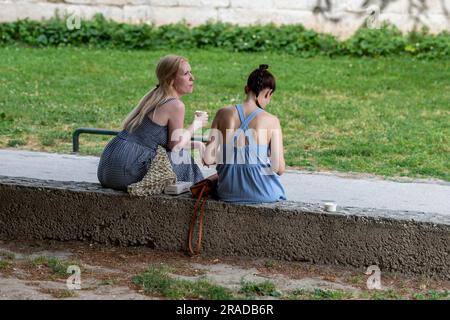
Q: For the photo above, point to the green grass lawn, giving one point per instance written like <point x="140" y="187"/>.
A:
<point x="387" y="116"/>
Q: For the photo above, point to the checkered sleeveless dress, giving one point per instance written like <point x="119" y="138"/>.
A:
<point x="127" y="156"/>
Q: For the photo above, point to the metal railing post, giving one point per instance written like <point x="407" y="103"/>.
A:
<point x="77" y="132"/>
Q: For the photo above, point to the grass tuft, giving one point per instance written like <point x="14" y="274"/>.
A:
<point x="252" y="289"/>
<point x="158" y="281"/>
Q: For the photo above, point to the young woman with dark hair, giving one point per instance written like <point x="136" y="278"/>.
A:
<point x="246" y="144"/>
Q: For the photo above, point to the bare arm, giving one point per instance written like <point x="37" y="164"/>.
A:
<point x="180" y="138"/>
<point x="214" y="142"/>
<point x="277" y="149"/>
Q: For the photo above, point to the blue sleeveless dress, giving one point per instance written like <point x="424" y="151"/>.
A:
<point x="126" y="158"/>
<point x="245" y="174"/>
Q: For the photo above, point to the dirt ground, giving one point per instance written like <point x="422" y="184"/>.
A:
<point x="107" y="273"/>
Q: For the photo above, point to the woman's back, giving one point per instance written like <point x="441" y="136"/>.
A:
<point x="244" y="168"/>
<point x="230" y="119"/>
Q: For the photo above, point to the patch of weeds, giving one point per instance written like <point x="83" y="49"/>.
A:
<point x="266" y="288"/>
<point x="50" y="138"/>
<point x="57" y="267"/>
<point x="157" y="281"/>
<point x="320" y="294"/>
<point x="60" y="293"/>
<point x="358" y="279"/>
<point x="432" y="295"/>
<point x="385" y="295"/>
<point x="108" y="282"/>
<point x="5" y="265"/>
<point x="16" y="142"/>
<point x="7" y="255"/>
<point x="269" y="264"/>
<point x="48" y="141"/>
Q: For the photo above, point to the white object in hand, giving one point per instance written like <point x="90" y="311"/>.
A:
<point x="330" y="206"/>
<point x="201" y="113"/>
<point x="200" y="120"/>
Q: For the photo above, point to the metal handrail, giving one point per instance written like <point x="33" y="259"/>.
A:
<point x="77" y="132"/>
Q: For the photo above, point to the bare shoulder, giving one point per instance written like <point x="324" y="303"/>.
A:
<point x="271" y="120"/>
<point x="175" y="106"/>
<point x="225" y="112"/>
<point x="175" y="103"/>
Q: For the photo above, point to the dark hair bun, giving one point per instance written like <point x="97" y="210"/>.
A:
<point x="260" y="79"/>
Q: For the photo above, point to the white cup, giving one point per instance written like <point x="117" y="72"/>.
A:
<point x="201" y="113"/>
<point x="330" y="206"/>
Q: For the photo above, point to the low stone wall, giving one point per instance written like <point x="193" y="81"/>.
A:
<point x="340" y="17"/>
<point x="406" y="242"/>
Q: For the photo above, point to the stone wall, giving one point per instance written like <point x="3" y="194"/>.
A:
<point x="340" y="17"/>
<point x="400" y="241"/>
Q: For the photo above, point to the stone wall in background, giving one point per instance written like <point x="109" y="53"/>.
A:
<point x="340" y="17"/>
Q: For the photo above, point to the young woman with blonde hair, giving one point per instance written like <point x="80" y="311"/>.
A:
<point x="157" y="120"/>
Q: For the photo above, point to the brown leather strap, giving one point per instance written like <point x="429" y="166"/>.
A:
<point x="202" y="199"/>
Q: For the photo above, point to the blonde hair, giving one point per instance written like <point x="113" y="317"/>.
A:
<point x="166" y="71"/>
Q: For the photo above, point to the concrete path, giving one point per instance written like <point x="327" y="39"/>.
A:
<point x="345" y="190"/>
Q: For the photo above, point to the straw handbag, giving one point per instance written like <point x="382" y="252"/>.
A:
<point x="159" y="175"/>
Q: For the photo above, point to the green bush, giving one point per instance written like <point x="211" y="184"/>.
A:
<point x="424" y="45"/>
<point x="291" y="39"/>
<point x="385" y="41"/>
